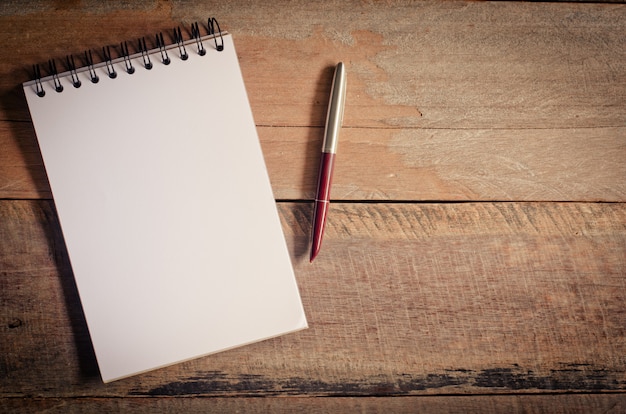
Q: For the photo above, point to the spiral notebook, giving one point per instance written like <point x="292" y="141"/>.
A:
<point x="164" y="201"/>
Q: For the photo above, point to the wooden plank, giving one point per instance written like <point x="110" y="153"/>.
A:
<point x="447" y="101"/>
<point x="556" y="404"/>
<point x="395" y="153"/>
<point x="403" y="164"/>
<point x="454" y="165"/>
<point x="436" y="65"/>
<point x="419" y="64"/>
<point x="404" y="299"/>
<point x="22" y="174"/>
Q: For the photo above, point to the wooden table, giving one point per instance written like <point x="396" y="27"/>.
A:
<point x="475" y="254"/>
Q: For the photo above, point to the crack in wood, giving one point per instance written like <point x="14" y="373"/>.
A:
<point x="572" y="377"/>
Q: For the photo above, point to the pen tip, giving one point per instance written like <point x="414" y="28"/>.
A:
<point x="314" y="251"/>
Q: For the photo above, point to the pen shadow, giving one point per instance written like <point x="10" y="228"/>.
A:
<point x="315" y="137"/>
<point x="23" y="133"/>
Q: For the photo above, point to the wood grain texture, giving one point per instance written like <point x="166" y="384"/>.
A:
<point x="407" y="164"/>
<point x="432" y="64"/>
<point x="404" y="299"/>
<point x="434" y="164"/>
<point x="515" y="302"/>
<point x="22" y="174"/>
<point x="453" y="101"/>
<point x="418" y="64"/>
<point x="555" y="404"/>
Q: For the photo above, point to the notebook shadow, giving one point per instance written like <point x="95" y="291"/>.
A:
<point x="86" y="356"/>
<point x="14" y="103"/>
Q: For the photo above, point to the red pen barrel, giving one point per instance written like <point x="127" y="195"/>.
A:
<point x="322" y="201"/>
<point x="334" y="119"/>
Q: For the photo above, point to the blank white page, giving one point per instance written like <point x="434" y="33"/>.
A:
<point x="166" y="209"/>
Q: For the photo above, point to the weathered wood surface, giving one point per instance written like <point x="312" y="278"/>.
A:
<point x="412" y="64"/>
<point x="404" y="299"/>
<point x="408" y="164"/>
<point x="446" y="101"/>
<point x="517" y="110"/>
<point x="554" y="404"/>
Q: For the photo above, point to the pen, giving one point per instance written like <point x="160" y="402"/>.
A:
<point x="334" y="118"/>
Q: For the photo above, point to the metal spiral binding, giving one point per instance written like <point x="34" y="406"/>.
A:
<point x="147" y="63"/>
<point x="92" y="71"/>
<point x="72" y="67"/>
<point x="178" y="38"/>
<point x="106" y="51"/>
<point x="55" y="76"/>
<point x="38" y="86"/>
<point x="213" y="29"/>
<point x="161" y="45"/>
<point x="195" y="32"/>
<point x="126" y="56"/>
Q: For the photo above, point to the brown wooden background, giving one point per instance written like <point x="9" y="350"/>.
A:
<point x="475" y="254"/>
